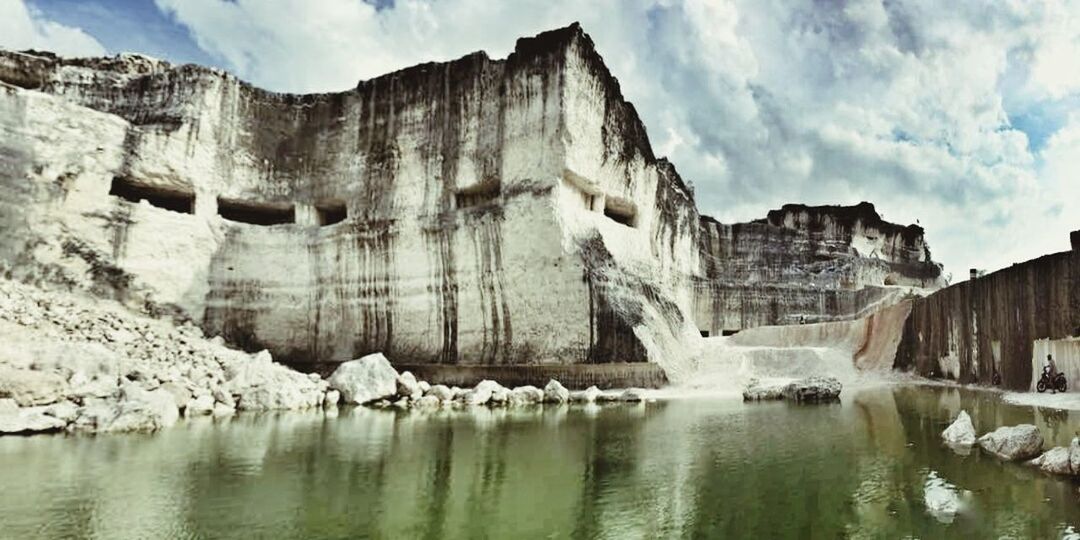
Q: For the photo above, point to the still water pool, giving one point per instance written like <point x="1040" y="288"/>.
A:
<point x="701" y="467"/>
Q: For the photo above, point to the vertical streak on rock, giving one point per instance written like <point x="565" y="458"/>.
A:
<point x="447" y="280"/>
<point x="508" y="333"/>
<point x="481" y="288"/>
<point x="1013" y="307"/>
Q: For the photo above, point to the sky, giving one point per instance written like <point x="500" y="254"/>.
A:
<point x="961" y="116"/>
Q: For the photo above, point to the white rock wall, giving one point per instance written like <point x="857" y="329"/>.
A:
<point x="467" y="240"/>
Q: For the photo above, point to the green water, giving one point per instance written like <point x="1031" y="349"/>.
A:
<point x="706" y="468"/>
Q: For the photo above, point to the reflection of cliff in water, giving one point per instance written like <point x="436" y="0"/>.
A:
<point x="701" y="467"/>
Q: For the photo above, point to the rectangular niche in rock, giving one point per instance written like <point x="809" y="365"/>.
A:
<point x="257" y="213"/>
<point x="176" y="200"/>
<point x="331" y="212"/>
<point x="620" y="211"/>
<point x="483" y="193"/>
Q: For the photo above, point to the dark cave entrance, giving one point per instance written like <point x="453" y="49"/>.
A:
<point x="174" y="200"/>
<point x="256" y="213"/>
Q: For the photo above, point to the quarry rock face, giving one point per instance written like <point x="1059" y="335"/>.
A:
<point x="807" y="264"/>
<point x="474" y="212"/>
<point x="439" y="214"/>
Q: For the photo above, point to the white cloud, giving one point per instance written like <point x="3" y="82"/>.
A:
<point x="760" y="102"/>
<point x="22" y="28"/>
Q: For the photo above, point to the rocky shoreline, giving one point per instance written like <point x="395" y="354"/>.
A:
<point x="373" y="381"/>
<point x="77" y="364"/>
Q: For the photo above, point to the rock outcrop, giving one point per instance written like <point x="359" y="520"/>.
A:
<point x="476" y="211"/>
<point x="756" y="390"/>
<point x="813" y="390"/>
<point x="77" y="364"/>
<point x="961" y="432"/>
<point x="807" y="264"/>
<point x="816" y="389"/>
<point x="366" y="379"/>
<point x="1060" y="460"/>
<point x="1013" y="443"/>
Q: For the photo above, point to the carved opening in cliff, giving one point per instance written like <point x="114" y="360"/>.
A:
<point x="331" y="212"/>
<point x="256" y="213"/>
<point x="730" y="332"/>
<point x="620" y="211"/>
<point x="704" y="333"/>
<point x="175" y="200"/>
<point x="480" y="194"/>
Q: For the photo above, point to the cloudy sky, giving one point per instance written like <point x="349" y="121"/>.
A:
<point x="961" y="115"/>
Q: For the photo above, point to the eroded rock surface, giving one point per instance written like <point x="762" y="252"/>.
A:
<point x="1013" y="443"/>
<point x="813" y="390"/>
<point x="365" y="379"/>
<point x="1060" y="460"/>
<point x="808" y="264"/>
<point x="69" y="362"/>
<point x="396" y="216"/>
<point x="961" y="432"/>
<point x="756" y="390"/>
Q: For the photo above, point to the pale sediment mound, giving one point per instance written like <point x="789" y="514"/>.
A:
<point x="80" y="364"/>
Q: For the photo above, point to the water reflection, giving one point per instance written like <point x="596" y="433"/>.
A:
<point x="687" y="468"/>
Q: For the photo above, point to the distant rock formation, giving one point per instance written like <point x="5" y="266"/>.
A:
<point x="473" y="212"/>
<point x="806" y="264"/>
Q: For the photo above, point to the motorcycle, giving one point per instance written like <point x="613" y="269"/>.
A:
<point x="1045" y="383"/>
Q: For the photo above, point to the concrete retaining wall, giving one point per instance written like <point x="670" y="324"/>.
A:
<point x="575" y="377"/>
<point x="971" y="330"/>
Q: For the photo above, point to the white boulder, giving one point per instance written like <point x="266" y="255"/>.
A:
<point x="331" y="399"/>
<point x="366" y="379"/>
<point x="29" y="387"/>
<point x="440" y="392"/>
<point x="28" y="421"/>
<point x="143" y="410"/>
<point x="813" y="390"/>
<point x="526" y="395"/>
<point x="961" y="432"/>
<point x="202" y="405"/>
<point x="63" y="410"/>
<point x="1060" y="460"/>
<point x="482" y="393"/>
<point x="632" y="395"/>
<point x="555" y="392"/>
<point x="428" y="402"/>
<point x="500" y="395"/>
<point x="756" y="390"/>
<point x="180" y="394"/>
<point x="408" y="386"/>
<point x="587" y="395"/>
<point x="1013" y="443"/>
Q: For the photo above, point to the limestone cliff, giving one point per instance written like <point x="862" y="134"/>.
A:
<point x="476" y="211"/>
<point x="483" y="212"/>
<point x="807" y="264"/>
